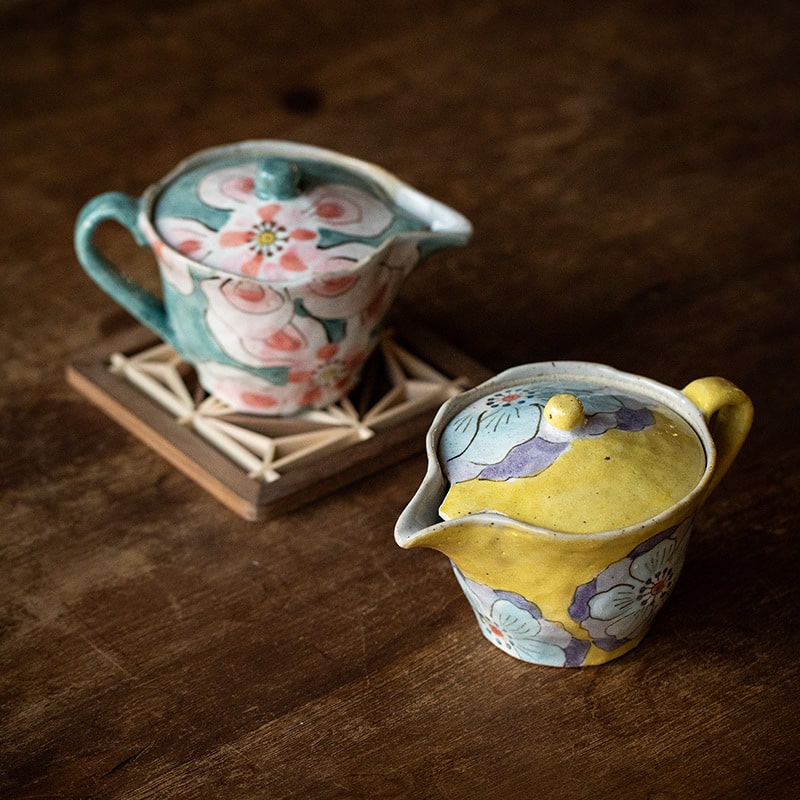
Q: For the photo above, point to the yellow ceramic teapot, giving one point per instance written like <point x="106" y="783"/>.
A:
<point x="564" y="493"/>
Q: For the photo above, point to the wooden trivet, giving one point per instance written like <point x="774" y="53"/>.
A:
<point x="261" y="467"/>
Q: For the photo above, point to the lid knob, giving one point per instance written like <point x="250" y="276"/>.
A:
<point x="277" y="179"/>
<point x="564" y="411"/>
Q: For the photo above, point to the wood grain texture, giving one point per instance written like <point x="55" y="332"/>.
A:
<point x="631" y="172"/>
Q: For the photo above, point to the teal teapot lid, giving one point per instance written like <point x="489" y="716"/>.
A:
<point x="288" y="217"/>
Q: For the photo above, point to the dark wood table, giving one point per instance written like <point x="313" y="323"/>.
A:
<point x="631" y="170"/>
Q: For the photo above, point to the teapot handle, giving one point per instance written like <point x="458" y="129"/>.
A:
<point x="122" y="208"/>
<point x="728" y="412"/>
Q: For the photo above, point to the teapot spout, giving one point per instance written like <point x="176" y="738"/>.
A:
<point x="419" y="521"/>
<point x="444" y="227"/>
<point x="471" y="542"/>
<point x="487" y="547"/>
<point x="455" y="538"/>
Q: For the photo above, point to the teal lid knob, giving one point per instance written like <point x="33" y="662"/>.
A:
<point x="277" y="179"/>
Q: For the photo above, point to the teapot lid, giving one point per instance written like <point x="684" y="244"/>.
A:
<point x="571" y="456"/>
<point x="278" y="213"/>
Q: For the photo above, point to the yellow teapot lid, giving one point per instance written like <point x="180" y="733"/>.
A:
<point x="576" y="458"/>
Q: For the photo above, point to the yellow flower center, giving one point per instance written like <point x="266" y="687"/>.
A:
<point x="266" y="238"/>
<point x="329" y="374"/>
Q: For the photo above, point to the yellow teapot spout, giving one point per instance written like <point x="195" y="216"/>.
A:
<point x="480" y="545"/>
<point x="462" y="540"/>
<point x="487" y="547"/>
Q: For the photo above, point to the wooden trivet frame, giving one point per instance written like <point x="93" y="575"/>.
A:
<point x="262" y="467"/>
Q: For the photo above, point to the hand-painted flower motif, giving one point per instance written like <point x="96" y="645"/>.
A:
<point x="315" y="380"/>
<point x="260" y="327"/>
<point x="320" y="380"/>
<point x="278" y="240"/>
<point x="364" y="295"/>
<point x="316" y="336"/>
<point x="516" y="626"/>
<point x="252" y="322"/>
<point x="504" y="435"/>
<point x="240" y="389"/>
<point x="621" y="602"/>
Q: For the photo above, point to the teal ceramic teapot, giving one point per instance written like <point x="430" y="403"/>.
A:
<point x="278" y="264"/>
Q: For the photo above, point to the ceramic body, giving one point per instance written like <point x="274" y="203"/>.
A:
<point x="548" y="596"/>
<point x="274" y="292"/>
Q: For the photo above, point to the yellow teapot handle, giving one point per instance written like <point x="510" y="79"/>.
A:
<point x="729" y="414"/>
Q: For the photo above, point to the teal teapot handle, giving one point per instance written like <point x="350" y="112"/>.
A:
<point x="143" y="305"/>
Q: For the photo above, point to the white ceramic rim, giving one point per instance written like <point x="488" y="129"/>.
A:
<point x="435" y="483"/>
<point x="441" y="219"/>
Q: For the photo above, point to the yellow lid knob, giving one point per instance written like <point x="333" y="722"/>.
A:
<point x="564" y="411"/>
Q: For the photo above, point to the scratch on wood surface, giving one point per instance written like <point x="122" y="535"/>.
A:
<point x="249" y="763"/>
<point x="126" y="761"/>
<point x="173" y="602"/>
<point x="106" y="656"/>
<point x="383" y="571"/>
<point x="94" y="647"/>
